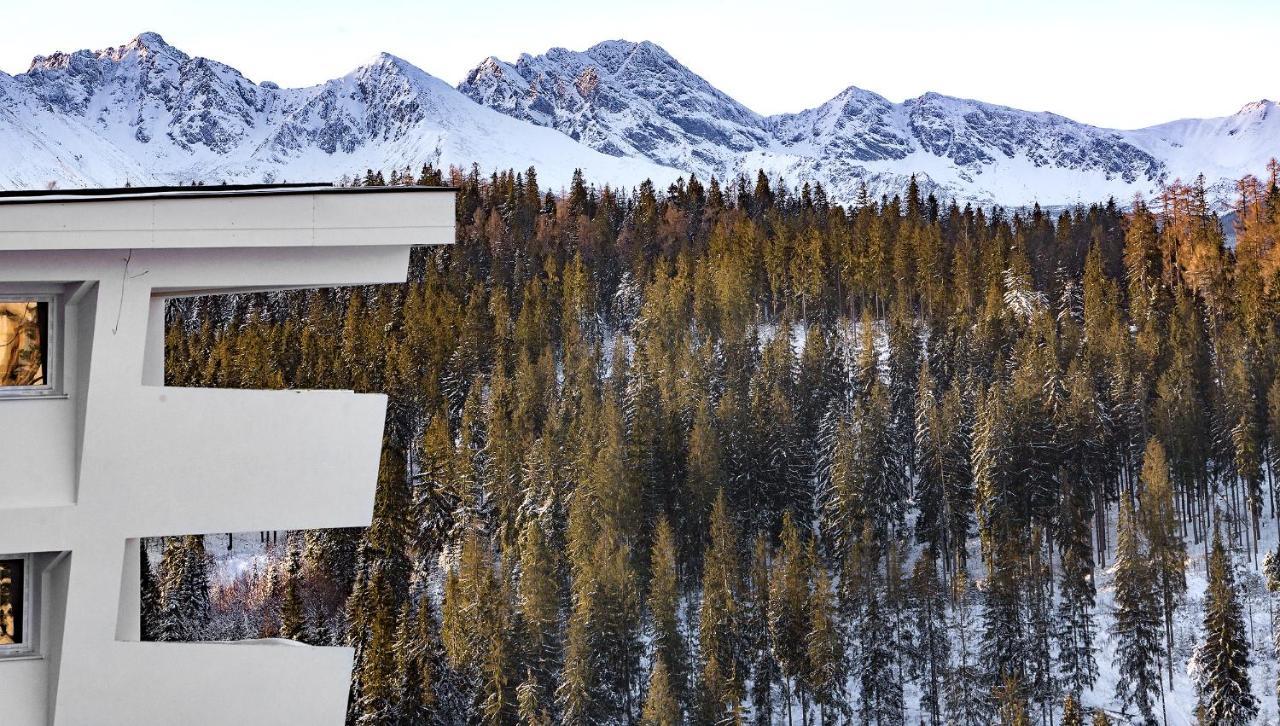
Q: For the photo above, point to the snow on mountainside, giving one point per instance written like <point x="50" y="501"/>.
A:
<point x="146" y="113"/>
<point x="634" y="99"/>
<point x="624" y="99"/>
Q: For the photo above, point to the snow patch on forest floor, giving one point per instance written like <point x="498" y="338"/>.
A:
<point x="248" y="552"/>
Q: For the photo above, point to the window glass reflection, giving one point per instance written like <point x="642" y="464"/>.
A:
<point x="11" y="601"/>
<point x="24" y="335"/>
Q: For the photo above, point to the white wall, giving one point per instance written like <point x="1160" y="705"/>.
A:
<point x="145" y="460"/>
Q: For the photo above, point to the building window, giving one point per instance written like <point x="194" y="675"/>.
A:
<point x="15" y="605"/>
<point x="27" y="337"/>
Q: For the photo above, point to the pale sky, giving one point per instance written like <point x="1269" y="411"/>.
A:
<point x="1118" y="63"/>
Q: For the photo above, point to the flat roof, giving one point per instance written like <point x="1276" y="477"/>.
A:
<point x="247" y="215"/>
<point x="59" y="196"/>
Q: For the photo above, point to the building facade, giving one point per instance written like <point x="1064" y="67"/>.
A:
<point x="96" y="453"/>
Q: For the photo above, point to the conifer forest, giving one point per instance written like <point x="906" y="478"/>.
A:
<point x="731" y="453"/>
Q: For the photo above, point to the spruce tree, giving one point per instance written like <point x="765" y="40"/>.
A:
<point x="418" y="665"/>
<point x="538" y="598"/>
<point x="530" y="710"/>
<point x="1224" y="692"/>
<point x="664" y="604"/>
<point x="966" y="695"/>
<point x="930" y="641"/>
<point x="661" y="707"/>
<point x="1071" y="714"/>
<point x="185" y="612"/>
<point x="151" y="601"/>
<point x="788" y="618"/>
<point x="1271" y="574"/>
<point x="1168" y="553"/>
<point x="763" y="667"/>
<point x="292" y="618"/>
<point x="1077" y="662"/>
<point x="720" y="618"/>
<point x="825" y="671"/>
<point x="1136" y="627"/>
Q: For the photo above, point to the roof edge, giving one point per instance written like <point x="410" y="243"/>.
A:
<point x="65" y="196"/>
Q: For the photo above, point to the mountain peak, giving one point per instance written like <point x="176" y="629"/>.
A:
<point x="146" y="44"/>
<point x="394" y="63"/>
<point x="143" y="45"/>
<point x="149" y="40"/>
<point x="628" y="46"/>
<point x="1262" y="105"/>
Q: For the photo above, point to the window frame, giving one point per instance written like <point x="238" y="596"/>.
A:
<point x="53" y="350"/>
<point x="27" y="646"/>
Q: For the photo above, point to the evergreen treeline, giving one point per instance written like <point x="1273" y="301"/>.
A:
<point x="737" y="454"/>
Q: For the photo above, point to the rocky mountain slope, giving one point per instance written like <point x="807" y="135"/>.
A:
<point x="634" y="99"/>
<point x="145" y="112"/>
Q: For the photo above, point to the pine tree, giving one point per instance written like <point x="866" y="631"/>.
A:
<point x="1271" y="573"/>
<point x="664" y="602"/>
<point x="720" y="618"/>
<point x="1071" y="714"/>
<point x="879" y="660"/>
<point x="1224" y="693"/>
<point x="374" y="699"/>
<point x="538" y="604"/>
<point x="497" y="688"/>
<point x="292" y="618"/>
<point x="826" y="664"/>
<point x="763" y="667"/>
<point x="930" y="642"/>
<point x="575" y="692"/>
<point x="788" y="619"/>
<point x="529" y="708"/>
<point x="418" y="664"/>
<point x="615" y="628"/>
<point x="706" y="477"/>
<point x="1011" y="705"/>
<point x="1042" y="684"/>
<point x="185" y="589"/>
<point x="1006" y="654"/>
<point x="151" y="601"/>
<point x="966" y="698"/>
<point x="1077" y="662"/>
<point x="1167" y="551"/>
<point x="1136" y="628"/>
<point x="661" y="707"/>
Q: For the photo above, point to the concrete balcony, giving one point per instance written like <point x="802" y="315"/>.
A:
<point x="261" y="459"/>
<point x="206" y="683"/>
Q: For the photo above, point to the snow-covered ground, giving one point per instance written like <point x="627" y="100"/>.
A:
<point x="1180" y="700"/>
<point x="248" y="552"/>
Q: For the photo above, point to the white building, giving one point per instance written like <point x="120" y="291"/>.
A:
<point x="95" y="452"/>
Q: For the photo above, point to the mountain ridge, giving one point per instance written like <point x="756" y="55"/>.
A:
<point x="623" y="111"/>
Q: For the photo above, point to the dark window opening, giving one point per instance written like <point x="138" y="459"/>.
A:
<point x="12" y="601"/>
<point x="24" y="343"/>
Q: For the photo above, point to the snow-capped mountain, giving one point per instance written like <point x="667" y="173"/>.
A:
<point x="957" y="147"/>
<point x="633" y="99"/>
<point x="624" y="99"/>
<point x="145" y="112"/>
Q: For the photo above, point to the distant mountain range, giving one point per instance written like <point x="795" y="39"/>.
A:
<point x="147" y="113"/>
